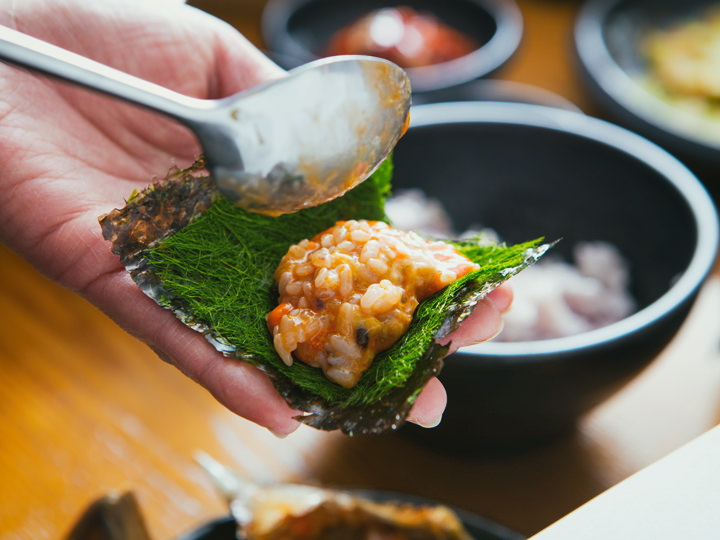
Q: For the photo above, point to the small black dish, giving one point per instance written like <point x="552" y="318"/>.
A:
<point x="608" y="40"/>
<point x="528" y="171"/>
<point x="301" y="29"/>
<point x="479" y="527"/>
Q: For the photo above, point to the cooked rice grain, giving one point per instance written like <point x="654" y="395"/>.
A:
<point x="350" y="293"/>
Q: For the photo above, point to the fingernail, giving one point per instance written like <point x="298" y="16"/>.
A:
<point x="429" y="424"/>
<point x="500" y="329"/>
<point x="284" y="433"/>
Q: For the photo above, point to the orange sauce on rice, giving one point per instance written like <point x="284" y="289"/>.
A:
<point x="351" y="291"/>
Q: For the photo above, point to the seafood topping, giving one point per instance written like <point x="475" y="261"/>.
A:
<point x="304" y="512"/>
<point x="351" y="291"/>
<point x="403" y="36"/>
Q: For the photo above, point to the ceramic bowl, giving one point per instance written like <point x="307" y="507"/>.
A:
<point x="527" y="171"/>
<point x="298" y="31"/>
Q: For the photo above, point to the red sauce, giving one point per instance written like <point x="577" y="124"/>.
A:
<point x="403" y="36"/>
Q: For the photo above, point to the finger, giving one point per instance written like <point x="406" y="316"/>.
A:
<point x="503" y="297"/>
<point x="484" y="323"/>
<point x="240" y="387"/>
<point x="239" y="64"/>
<point x="430" y="405"/>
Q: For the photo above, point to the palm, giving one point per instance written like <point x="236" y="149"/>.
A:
<point x="102" y="149"/>
<point x="68" y="155"/>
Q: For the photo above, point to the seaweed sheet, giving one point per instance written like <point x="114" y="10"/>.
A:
<point x="173" y="204"/>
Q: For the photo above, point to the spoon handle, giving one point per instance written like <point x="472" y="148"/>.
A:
<point x="29" y="52"/>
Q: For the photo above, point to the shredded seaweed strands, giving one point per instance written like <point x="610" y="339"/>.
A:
<point x="212" y="263"/>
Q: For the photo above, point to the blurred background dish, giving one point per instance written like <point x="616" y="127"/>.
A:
<point x="297" y="31"/>
<point x="614" y="45"/>
<point x="479" y="527"/>
<point x="527" y="171"/>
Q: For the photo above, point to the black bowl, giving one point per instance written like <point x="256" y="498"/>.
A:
<point x="495" y="90"/>
<point x="300" y="30"/>
<point x="608" y="37"/>
<point x="479" y="527"/>
<point x="528" y="171"/>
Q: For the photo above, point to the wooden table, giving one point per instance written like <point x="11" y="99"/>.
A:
<point x="85" y="408"/>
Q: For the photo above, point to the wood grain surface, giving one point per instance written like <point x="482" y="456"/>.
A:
<point x="86" y="409"/>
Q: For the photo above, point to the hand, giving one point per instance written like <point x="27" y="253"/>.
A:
<point x="484" y="323"/>
<point x="68" y="155"/>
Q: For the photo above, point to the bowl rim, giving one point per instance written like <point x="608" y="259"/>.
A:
<point x="615" y="84"/>
<point x="503" y="90"/>
<point x="483" y="61"/>
<point x="686" y="184"/>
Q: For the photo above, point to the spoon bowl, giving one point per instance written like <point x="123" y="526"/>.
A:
<point x="309" y="136"/>
<point x="288" y="144"/>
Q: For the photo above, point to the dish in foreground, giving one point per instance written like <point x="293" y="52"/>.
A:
<point x="305" y="512"/>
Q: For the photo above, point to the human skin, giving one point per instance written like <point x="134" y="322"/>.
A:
<point x="68" y="155"/>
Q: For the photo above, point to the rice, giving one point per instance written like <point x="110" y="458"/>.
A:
<point x="552" y="298"/>
<point x="555" y="298"/>
<point x="351" y="291"/>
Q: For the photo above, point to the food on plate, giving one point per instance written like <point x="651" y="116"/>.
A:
<point x="304" y="512"/>
<point x="684" y="67"/>
<point x="351" y="292"/>
<point x="404" y="36"/>
<point x="214" y="265"/>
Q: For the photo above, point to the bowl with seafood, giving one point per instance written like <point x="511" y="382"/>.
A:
<point x="295" y="511"/>
<point x="636" y="233"/>
<point x="361" y="514"/>
<point x="307" y="512"/>
<point x="439" y="44"/>
<point x="653" y="66"/>
<point x="475" y="527"/>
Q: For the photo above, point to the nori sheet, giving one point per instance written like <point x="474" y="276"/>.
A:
<point x="173" y="203"/>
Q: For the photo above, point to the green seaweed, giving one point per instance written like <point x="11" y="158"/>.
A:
<point x="216" y="273"/>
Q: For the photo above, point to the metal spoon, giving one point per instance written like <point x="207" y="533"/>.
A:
<point x="281" y="146"/>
